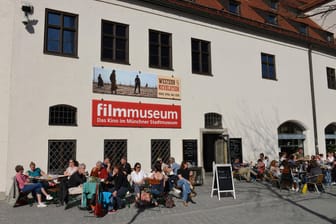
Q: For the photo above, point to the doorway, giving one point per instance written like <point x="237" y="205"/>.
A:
<point x="214" y="150"/>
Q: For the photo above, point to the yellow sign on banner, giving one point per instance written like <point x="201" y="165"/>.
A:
<point x="169" y="87"/>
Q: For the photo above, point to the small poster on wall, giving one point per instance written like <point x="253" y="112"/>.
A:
<point x="135" y="83"/>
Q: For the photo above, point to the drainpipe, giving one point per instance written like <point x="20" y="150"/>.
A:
<point x="312" y="91"/>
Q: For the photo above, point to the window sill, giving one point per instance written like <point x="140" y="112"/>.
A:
<point x="61" y="55"/>
<point x="116" y="62"/>
<point x="204" y="74"/>
<point x="155" y="67"/>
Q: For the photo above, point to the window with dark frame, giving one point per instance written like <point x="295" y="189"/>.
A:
<point x="272" y="19"/>
<point x="114" y="42"/>
<point x="234" y="7"/>
<point x="274" y="4"/>
<point x="59" y="154"/>
<point x="201" y="56"/>
<point x="160" y="49"/>
<point x="61" y="32"/>
<point x="115" y="149"/>
<point x="268" y="66"/>
<point x="63" y="115"/>
<point x="303" y="29"/>
<point x="331" y="77"/>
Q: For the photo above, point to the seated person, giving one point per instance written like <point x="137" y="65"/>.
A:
<point x="286" y="176"/>
<point x="259" y="169"/>
<point x="71" y="168"/>
<point x="183" y="175"/>
<point x="275" y="169"/>
<point x="106" y="162"/>
<point x="173" y="165"/>
<point x="125" y="167"/>
<point x="99" y="171"/>
<point x="119" y="189"/>
<point x="74" y="185"/>
<point x="241" y="170"/>
<point x="156" y="181"/>
<point x="333" y="173"/>
<point x="314" y="170"/>
<point x="26" y="186"/>
<point x="138" y="179"/>
<point x="35" y="171"/>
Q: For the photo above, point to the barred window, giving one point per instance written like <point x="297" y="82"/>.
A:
<point x="213" y="120"/>
<point x="59" y="154"/>
<point x="63" y="115"/>
<point x="115" y="149"/>
<point x="160" y="148"/>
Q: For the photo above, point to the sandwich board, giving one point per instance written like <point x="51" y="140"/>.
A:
<point x="222" y="181"/>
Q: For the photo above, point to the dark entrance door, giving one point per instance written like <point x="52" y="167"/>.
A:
<point x="209" y="149"/>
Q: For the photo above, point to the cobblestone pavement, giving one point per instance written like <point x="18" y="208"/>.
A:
<point x="255" y="203"/>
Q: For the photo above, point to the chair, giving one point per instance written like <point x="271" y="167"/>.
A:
<point x="317" y="182"/>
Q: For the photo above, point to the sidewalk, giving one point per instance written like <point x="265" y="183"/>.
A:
<point x="255" y="203"/>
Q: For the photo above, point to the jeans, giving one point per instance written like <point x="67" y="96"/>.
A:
<point x="120" y="194"/>
<point x="35" y="188"/>
<point x="184" y="184"/>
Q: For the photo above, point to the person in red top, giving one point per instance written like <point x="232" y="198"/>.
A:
<point x="99" y="171"/>
<point x="26" y="186"/>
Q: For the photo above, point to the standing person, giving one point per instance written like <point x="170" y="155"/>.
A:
<point x="113" y="80"/>
<point x="100" y="81"/>
<point x="183" y="175"/>
<point x="26" y="186"/>
<point x="137" y="83"/>
<point x="138" y="179"/>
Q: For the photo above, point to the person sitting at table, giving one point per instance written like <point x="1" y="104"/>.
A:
<point x="35" y="171"/>
<point x="259" y="169"/>
<point x="156" y="181"/>
<point x="183" y="182"/>
<point x="71" y="168"/>
<point x="241" y="170"/>
<point x="314" y="170"/>
<point x="119" y="189"/>
<point x="99" y="171"/>
<point x="137" y="179"/>
<point x="73" y="185"/>
<point x="275" y="169"/>
<point x="26" y="186"/>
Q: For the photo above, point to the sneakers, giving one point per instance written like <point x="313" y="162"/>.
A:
<point x="41" y="205"/>
<point x="49" y="197"/>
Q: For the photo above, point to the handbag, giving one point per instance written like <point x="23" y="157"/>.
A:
<point x="98" y="208"/>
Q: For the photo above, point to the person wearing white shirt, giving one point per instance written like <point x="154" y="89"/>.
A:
<point x="138" y="179"/>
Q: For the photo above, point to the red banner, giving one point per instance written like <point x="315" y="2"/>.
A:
<point x="125" y="114"/>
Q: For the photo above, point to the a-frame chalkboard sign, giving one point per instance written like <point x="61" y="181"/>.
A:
<point x="222" y="180"/>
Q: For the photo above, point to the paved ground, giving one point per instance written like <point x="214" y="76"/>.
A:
<point x="255" y="203"/>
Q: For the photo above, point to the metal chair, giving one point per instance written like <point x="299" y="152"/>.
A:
<point x="316" y="181"/>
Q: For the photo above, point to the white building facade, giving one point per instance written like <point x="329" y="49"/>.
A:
<point x="250" y="108"/>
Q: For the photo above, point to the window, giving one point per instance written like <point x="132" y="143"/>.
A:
<point x="63" y="115"/>
<point x="213" y="121"/>
<point x="160" y="50"/>
<point x="303" y="29"/>
<point x="160" y="148"/>
<point x="114" y="42"/>
<point x="331" y="78"/>
<point x="59" y="154"/>
<point x="268" y="66"/>
<point x="201" y="59"/>
<point x="330" y="38"/>
<point x="61" y="31"/>
<point x="234" y="7"/>
<point x="115" y="149"/>
<point x="272" y="19"/>
<point x="274" y="4"/>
